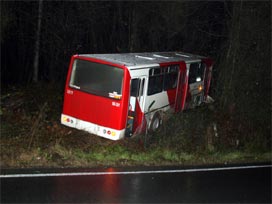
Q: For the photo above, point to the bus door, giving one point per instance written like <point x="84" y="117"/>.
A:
<point x="136" y="104"/>
<point x="181" y="88"/>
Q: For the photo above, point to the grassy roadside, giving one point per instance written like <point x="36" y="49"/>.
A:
<point x="31" y="136"/>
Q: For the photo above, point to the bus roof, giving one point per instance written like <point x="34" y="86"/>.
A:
<point x="132" y="60"/>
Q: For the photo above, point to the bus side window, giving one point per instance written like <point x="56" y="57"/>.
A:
<point x="171" y="77"/>
<point x="155" y="82"/>
<point x="142" y="87"/>
<point x="135" y="85"/>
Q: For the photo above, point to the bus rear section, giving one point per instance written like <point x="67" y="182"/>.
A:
<point x="95" y="97"/>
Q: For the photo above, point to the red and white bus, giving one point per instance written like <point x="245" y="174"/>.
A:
<point x="118" y="95"/>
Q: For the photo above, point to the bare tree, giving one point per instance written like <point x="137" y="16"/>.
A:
<point x="37" y="44"/>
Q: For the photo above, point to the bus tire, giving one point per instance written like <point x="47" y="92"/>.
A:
<point x="155" y="123"/>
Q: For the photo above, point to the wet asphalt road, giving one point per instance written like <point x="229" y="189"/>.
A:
<point x="252" y="185"/>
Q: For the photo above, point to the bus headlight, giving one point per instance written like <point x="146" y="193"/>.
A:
<point x="200" y="88"/>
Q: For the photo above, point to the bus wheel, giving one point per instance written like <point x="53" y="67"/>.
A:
<point x="155" y="123"/>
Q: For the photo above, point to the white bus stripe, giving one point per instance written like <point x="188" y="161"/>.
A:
<point x="132" y="172"/>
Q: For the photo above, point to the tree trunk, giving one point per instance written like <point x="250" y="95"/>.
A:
<point x="230" y="63"/>
<point x="37" y="44"/>
<point x="132" y="27"/>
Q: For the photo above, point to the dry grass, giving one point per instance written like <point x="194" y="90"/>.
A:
<point x="32" y="136"/>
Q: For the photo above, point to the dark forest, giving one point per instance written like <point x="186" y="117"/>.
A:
<point x="72" y="27"/>
<point x="235" y="34"/>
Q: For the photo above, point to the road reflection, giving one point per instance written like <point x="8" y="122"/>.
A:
<point x="99" y="188"/>
<point x="110" y="187"/>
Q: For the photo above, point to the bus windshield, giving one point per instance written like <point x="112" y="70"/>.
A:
<point x="196" y="72"/>
<point x="98" y="79"/>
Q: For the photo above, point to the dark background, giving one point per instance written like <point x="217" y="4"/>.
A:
<point x="236" y="34"/>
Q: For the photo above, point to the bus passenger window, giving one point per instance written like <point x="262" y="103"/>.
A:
<point x="171" y="77"/>
<point x="155" y="83"/>
<point x="135" y="85"/>
<point x="142" y="87"/>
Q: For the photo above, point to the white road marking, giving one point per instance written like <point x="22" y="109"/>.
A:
<point x="132" y="172"/>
